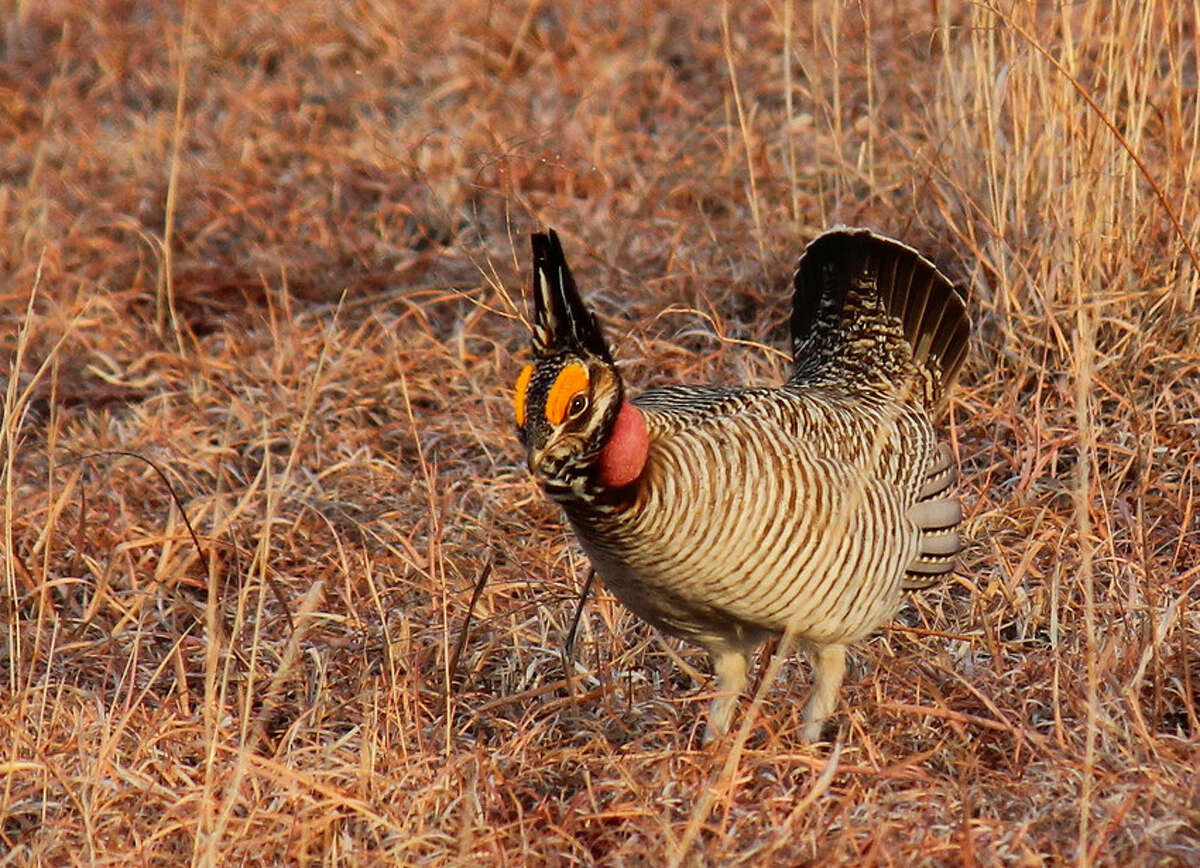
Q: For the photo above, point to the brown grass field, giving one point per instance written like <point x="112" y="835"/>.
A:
<point x="261" y="311"/>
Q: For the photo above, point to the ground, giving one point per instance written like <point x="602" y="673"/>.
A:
<point x="261" y="317"/>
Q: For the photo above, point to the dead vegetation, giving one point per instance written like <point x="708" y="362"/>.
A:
<point x="269" y="254"/>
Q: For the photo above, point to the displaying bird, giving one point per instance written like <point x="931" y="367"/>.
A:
<point x="724" y="514"/>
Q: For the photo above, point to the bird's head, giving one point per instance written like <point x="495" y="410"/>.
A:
<point x="570" y="405"/>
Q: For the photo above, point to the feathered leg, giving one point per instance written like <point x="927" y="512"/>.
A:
<point x="829" y="667"/>
<point x="730" y="665"/>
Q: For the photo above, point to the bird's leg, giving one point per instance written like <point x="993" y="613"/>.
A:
<point x="829" y="666"/>
<point x="730" y="664"/>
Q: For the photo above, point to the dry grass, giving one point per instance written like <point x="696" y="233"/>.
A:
<point x="289" y="289"/>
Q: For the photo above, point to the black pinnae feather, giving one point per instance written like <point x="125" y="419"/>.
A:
<point x="561" y="320"/>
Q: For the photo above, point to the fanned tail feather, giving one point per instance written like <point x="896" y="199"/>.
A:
<point x="870" y="309"/>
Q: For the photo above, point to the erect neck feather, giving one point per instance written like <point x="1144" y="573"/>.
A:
<point x="624" y="455"/>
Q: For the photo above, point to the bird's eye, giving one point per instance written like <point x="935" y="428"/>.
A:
<point x="578" y="404"/>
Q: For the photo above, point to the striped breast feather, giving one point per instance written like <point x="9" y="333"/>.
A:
<point x="871" y="310"/>
<point x="773" y="532"/>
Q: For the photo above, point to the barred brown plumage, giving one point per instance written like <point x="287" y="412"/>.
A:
<point x="723" y="515"/>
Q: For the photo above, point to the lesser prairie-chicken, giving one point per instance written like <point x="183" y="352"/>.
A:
<point x="724" y="514"/>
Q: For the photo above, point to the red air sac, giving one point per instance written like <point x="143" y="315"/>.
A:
<point x="624" y="455"/>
